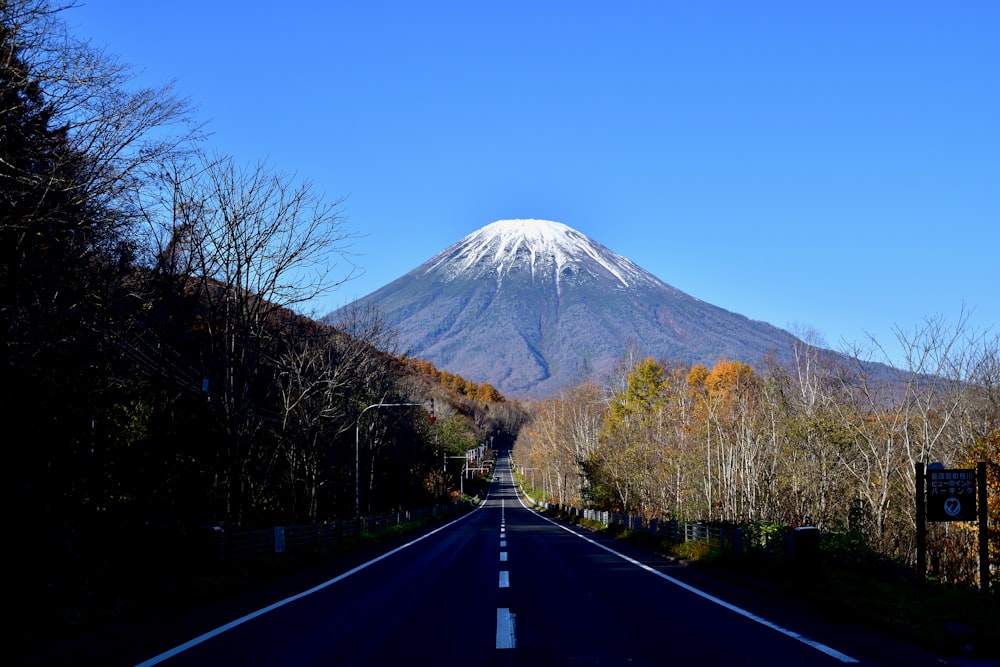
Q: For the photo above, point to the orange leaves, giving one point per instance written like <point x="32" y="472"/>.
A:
<point x="726" y="380"/>
<point x="696" y="377"/>
<point x="728" y="377"/>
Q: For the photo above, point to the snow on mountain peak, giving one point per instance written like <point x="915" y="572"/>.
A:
<point x="550" y="246"/>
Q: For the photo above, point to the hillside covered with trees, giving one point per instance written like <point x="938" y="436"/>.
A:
<point x="157" y="376"/>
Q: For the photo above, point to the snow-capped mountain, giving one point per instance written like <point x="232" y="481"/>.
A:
<point x="533" y="306"/>
<point x="551" y="250"/>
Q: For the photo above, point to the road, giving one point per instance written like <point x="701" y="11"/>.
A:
<point x="505" y="585"/>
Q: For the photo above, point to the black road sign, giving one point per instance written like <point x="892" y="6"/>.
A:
<point x="951" y="495"/>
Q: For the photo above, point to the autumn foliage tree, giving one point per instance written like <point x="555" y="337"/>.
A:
<point x="629" y="457"/>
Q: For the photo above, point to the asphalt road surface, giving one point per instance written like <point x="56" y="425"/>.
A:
<point x="505" y="585"/>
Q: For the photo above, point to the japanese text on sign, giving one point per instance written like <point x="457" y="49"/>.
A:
<point x="951" y="495"/>
<point x="952" y="482"/>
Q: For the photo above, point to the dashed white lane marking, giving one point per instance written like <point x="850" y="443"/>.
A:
<point x="505" y="619"/>
<point x="505" y="628"/>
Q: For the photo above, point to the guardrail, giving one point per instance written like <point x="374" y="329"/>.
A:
<point x="222" y="546"/>
<point x="794" y="543"/>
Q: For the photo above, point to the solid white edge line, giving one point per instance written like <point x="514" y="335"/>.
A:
<point x="260" y="612"/>
<point x="505" y="629"/>
<point x="822" y="648"/>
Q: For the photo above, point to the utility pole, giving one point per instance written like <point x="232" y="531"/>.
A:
<point x="461" y="477"/>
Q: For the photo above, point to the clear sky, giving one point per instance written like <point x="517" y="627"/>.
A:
<point x="832" y="165"/>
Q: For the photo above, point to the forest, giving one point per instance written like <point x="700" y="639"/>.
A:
<point x="827" y="441"/>
<point x="159" y="375"/>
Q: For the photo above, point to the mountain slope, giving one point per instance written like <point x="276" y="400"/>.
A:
<point x="534" y="306"/>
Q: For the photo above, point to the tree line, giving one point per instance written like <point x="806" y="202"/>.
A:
<point x="158" y="376"/>
<point x="824" y="440"/>
<point x="479" y="391"/>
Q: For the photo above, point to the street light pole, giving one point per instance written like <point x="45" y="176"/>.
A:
<point x="357" y="446"/>
<point x="461" y="478"/>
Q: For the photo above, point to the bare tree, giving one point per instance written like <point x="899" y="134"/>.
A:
<point x="122" y="133"/>
<point x="982" y="417"/>
<point x="940" y="364"/>
<point x="562" y="434"/>
<point x="259" y="245"/>
<point x="811" y="435"/>
<point x="316" y="378"/>
<point x="76" y="148"/>
<point x="376" y="381"/>
<point x="899" y="416"/>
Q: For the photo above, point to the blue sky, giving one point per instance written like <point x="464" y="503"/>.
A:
<point x="832" y="165"/>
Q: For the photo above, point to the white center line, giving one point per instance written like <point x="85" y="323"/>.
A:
<point x="505" y="619"/>
<point x="505" y="628"/>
